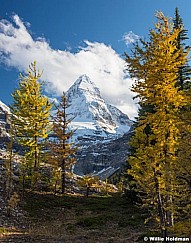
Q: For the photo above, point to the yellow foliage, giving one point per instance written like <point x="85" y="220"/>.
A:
<point x="156" y="140"/>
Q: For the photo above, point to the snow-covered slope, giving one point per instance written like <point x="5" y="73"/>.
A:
<point x="4" y="108"/>
<point x="93" y="116"/>
<point x="4" y="120"/>
<point x="121" y="120"/>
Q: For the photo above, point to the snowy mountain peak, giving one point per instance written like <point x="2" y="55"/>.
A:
<point x="83" y="85"/>
<point x="84" y="81"/>
<point x="93" y="116"/>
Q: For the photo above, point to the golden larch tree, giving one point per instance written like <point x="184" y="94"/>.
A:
<point x="155" y="65"/>
<point x="31" y="117"/>
<point x="62" y="149"/>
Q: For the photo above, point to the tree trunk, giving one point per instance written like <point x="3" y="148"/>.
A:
<point x="63" y="177"/>
<point x="164" y="234"/>
<point x="163" y="223"/>
<point x="161" y="211"/>
<point x="55" y="187"/>
<point x="23" y="185"/>
<point x="87" y="191"/>
<point x="35" y="154"/>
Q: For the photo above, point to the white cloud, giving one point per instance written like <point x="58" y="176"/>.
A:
<point x="130" y="38"/>
<point x="62" y="67"/>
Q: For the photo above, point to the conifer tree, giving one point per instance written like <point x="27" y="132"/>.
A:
<point x="31" y="111"/>
<point x="155" y="65"/>
<point x="184" y="70"/>
<point x="62" y="149"/>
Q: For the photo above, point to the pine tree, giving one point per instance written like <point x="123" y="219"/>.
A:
<point x="184" y="70"/>
<point x="62" y="150"/>
<point x="31" y="111"/>
<point x="155" y="65"/>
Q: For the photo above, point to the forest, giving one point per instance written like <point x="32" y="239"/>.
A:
<point x="150" y="200"/>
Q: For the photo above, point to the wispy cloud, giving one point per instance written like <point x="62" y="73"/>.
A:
<point x="130" y="38"/>
<point x="62" y="67"/>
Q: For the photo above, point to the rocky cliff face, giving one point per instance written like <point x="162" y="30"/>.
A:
<point x="103" y="159"/>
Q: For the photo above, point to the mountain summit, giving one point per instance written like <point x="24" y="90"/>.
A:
<point x="84" y="85"/>
<point x="93" y="116"/>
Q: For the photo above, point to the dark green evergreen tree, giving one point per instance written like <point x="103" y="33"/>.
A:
<point x="184" y="70"/>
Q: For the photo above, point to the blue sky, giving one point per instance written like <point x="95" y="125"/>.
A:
<point x="68" y="38"/>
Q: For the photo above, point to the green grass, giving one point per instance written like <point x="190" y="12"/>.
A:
<point x="110" y="208"/>
<point x="115" y="206"/>
<point x="72" y="216"/>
